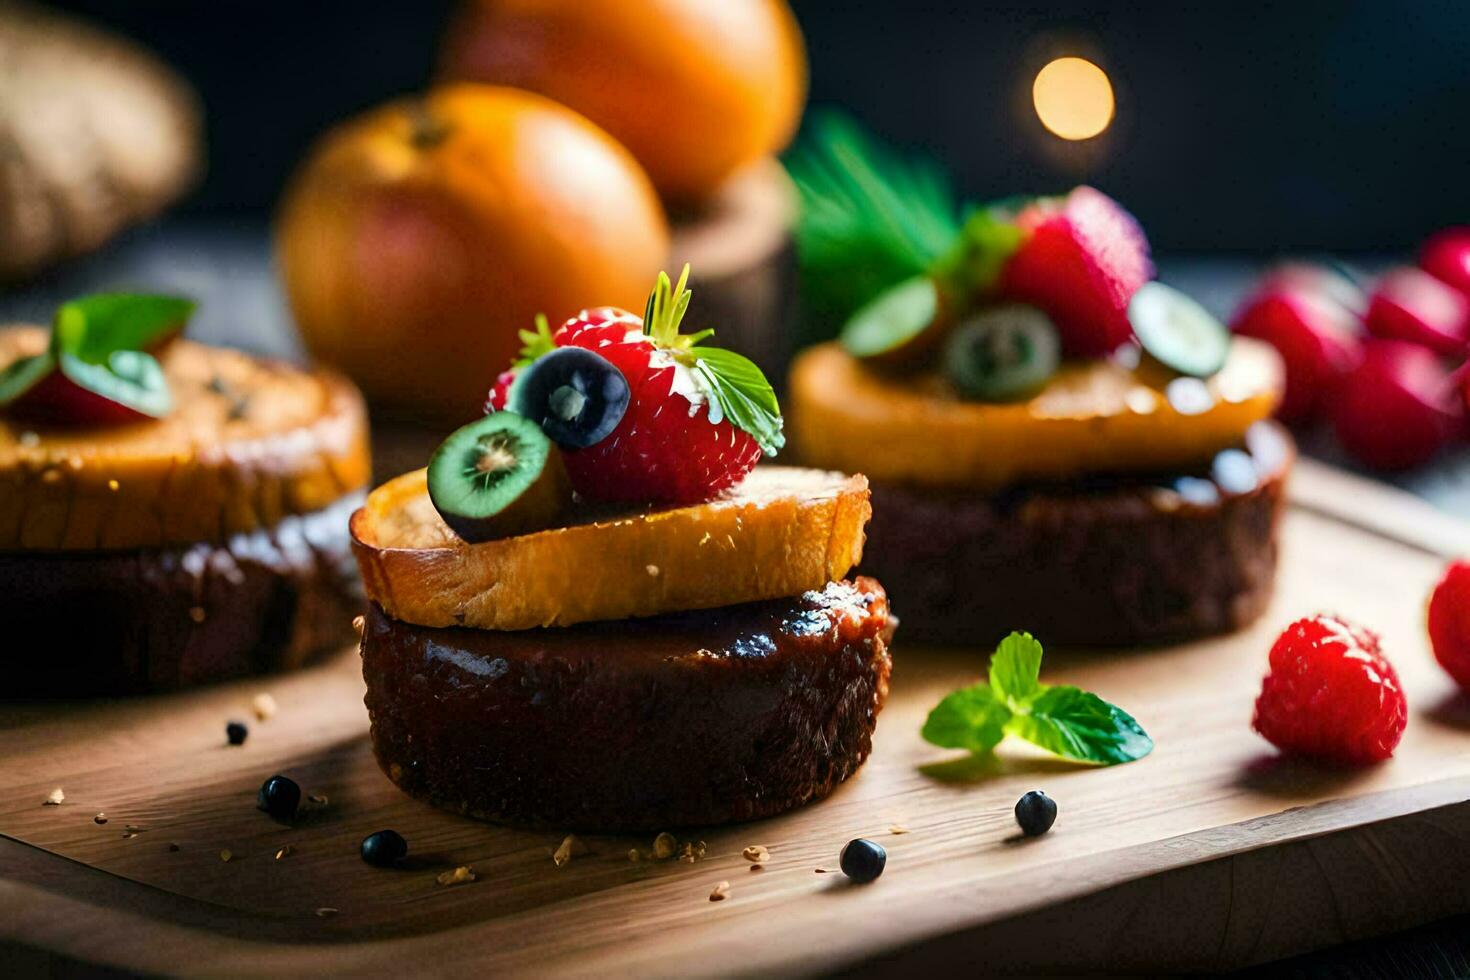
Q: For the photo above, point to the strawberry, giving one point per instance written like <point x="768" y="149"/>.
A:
<point x="1081" y="260"/>
<point x="1315" y="335"/>
<point x="1398" y="408"/>
<point x="1410" y="304"/>
<point x="1446" y="256"/>
<point x="698" y="418"/>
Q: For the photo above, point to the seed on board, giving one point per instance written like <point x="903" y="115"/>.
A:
<point x="326" y="911"/>
<point x="1035" y="813"/>
<point x="358" y="622"/>
<point x="569" y="847"/>
<point x="664" y="846"/>
<point x="756" y="854"/>
<point x="897" y="829"/>
<point x="279" y="796"/>
<point x="236" y="732"/>
<point x="862" y="860"/>
<point x="634" y="856"/>
<point x="285" y="852"/>
<point x="721" y="892"/>
<point x="384" y="848"/>
<point x="459" y="875"/>
<point x="173" y="847"/>
<point x="55" y="798"/>
<point x="101" y="818"/>
<point x="226" y="856"/>
<point x="264" y="706"/>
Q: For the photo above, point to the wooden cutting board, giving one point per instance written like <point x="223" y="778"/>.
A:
<point x="1210" y="853"/>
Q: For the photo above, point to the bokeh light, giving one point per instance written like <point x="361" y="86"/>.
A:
<point x="1073" y="98"/>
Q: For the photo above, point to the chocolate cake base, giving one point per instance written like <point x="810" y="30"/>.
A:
<point x="123" y="622"/>
<point x="1120" y="560"/>
<point x="642" y="725"/>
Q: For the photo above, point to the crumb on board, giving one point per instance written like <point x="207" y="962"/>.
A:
<point x="196" y="613"/>
<point x="756" y="854"/>
<point x="326" y="911"/>
<point x="226" y="855"/>
<point x="358" y="622"/>
<point x="263" y="705"/>
<point x="652" y="570"/>
<point x="55" y="798"/>
<point x="721" y="892"/>
<point x="285" y="852"/>
<point x="570" y="846"/>
<point x="459" y="875"/>
<point x="173" y="847"/>
<point x="664" y="846"/>
<point x="101" y="818"/>
<point x="634" y="856"/>
<point x="898" y="828"/>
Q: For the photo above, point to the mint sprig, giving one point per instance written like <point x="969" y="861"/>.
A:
<point x="1062" y="719"/>
<point x="737" y="388"/>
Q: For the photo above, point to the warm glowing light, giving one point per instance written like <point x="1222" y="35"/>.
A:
<point x="1073" y="98"/>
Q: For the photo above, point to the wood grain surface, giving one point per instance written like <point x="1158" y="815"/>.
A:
<point x="1211" y="853"/>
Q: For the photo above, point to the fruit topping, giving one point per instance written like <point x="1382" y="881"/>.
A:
<point x="781" y="532"/>
<point x="1398" y="408"/>
<point x="1081" y="260"/>
<point x="1446" y="257"/>
<point x="698" y="418"/>
<point x="1036" y="812"/>
<point x="1410" y="304"/>
<point x="279" y="796"/>
<point x="1331" y="694"/>
<point x="496" y="477"/>
<point x="1316" y="336"/>
<point x="384" y="848"/>
<point x="97" y="368"/>
<point x="862" y="860"/>
<point x="900" y="325"/>
<point x="1002" y="354"/>
<point x="576" y="395"/>
<point x="1449" y="622"/>
<point x="1177" y="332"/>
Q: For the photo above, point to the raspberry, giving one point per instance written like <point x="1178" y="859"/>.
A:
<point x="1082" y="262"/>
<point x="1410" y="304"/>
<point x="1446" y="256"/>
<point x="1331" y="694"/>
<point x="1449" y="622"/>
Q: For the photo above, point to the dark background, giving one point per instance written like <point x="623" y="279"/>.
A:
<point x="1247" y="126"/>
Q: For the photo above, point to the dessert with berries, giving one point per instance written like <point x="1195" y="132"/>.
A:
<point x="592" y="610"/>
<point x="1056" y="442"/>
<point x="170" y="513"/>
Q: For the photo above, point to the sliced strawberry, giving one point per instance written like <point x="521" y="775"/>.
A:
<point x="1446" y="256"/>
<point x="1082" y="259"/>
<point x="1398" y="408"/>
<point x="1316" y="337"/>
<point x="1410" y="304"/>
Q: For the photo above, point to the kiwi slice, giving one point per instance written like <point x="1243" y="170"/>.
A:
<point x="1177" y="332"/>
<point x="498" y="477"/>
<point x="899" y="325"/>
<point x="1002" y="354"/>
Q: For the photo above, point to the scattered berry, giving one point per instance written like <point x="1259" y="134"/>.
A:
<point x="384" y="848"/>
<point x="862" y="860"/>
<point x="1446" y="256"/>
<point x="576" y="395"/>
<point x="1082" y="260"/>
<point x="1410" y="304"/>
<point x="1449" y="622"/>
<point x="1331" y="694"/>
<point x="1316" y="337"/>
<point x="1398" y="408"/>
<point x="1326" y="283"/>
<point x="279" y="797"/>
<point x="1036" y="812"/>
<point x="236" y="732"/>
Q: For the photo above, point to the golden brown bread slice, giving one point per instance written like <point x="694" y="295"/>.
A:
<point x="249" y="441"/>
<point x="782" y="532"/>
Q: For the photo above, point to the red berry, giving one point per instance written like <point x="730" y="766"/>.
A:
<point x="1398" y="408"/>
<point x="1446" y="256"/>
<point x="1324" y="282"/>
<point x="1331" y="694"/>
<point x="1410" y="304"/>
<point x="500" y="391"/>
<point x="1449" y="622"/>
<point x="1081" y="262"/>
<point x="1316" y="338"/>
<point x="665" y="450"/>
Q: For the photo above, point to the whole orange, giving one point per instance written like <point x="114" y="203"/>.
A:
<point x="695" y="88"/>
<point x="416" y="240"/>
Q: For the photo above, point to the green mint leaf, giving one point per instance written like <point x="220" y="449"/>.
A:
<point x="972" y="266"/>
<point x="740" y="392"/>
<point x="1078" y="725"/>
<point x="971" y="718"/>
<point x="1015" y="668"/>
<point x="93" y="327"/>
<point x="128" y="377"/>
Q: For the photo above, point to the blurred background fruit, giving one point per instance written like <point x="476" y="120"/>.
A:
<point x="97" y="134"/>
<point x="696" y="89"/>
<point x="417" y="239"/>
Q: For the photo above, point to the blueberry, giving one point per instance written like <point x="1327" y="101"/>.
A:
<point x="1036" y="812"/>
<point x="384" y="849"/>
<point x="236" y="732"/>
<point x="862" y="860"/>
<point x="279" y="797"/>
<point x="577" y="396"/>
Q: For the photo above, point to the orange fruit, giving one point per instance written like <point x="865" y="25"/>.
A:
<point x="695" y="88"/>
<point x="417" y="239"/>
<point x="781" y="532"/>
